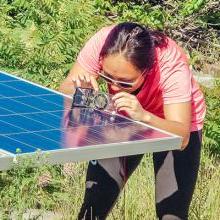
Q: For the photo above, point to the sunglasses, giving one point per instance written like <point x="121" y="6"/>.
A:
<point x="122" y="84"/>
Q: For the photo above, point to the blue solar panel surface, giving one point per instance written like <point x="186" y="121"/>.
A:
<point x="33" y="117"/>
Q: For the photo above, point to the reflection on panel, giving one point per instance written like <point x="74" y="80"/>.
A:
<point x="32" y="117"/>
<point x="91" y="127"/>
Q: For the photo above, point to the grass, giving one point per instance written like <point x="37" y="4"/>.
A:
<point x="20" y="191"/>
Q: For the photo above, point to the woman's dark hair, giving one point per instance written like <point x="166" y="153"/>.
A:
<point x="135" y="42"/>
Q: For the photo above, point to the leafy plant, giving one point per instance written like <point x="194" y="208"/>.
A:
<point x="34" y="184"/>
<point x="212" y="120"/>
<point x="189" y="7"/>
<point x="192" y="23"/>
<point x="129" y="11"/>
<point x="43" y="37"/>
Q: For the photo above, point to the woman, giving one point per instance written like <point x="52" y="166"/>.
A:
<point x="151" y="82"/>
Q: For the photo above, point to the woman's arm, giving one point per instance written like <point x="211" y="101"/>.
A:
<point x="177" y="116"/>
<point x="84" y="71"/>
<point x="177" y="120"/>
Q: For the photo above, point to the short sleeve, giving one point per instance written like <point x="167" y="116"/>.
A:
<point x="175" y="75"/>
<point x="88" y="57"/>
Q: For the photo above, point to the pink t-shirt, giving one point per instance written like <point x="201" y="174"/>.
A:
<point x="171" y="82"/>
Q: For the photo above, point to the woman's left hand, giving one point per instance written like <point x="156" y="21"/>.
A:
<point x="129" y="103"/>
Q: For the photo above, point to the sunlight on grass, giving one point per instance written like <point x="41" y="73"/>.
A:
<point x="63" y="190"/>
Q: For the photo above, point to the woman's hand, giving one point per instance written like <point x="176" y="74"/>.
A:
<point x="84" y="79"/>
<point x="78" y="77"/>
<point x="129" y="103"/>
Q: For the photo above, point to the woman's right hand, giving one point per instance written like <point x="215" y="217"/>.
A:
<point x="78" y="77"/>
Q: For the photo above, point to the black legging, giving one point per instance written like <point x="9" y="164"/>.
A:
<point x="175" y="178"/>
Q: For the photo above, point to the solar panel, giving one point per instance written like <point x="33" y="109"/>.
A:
<point x="33" y="117"/>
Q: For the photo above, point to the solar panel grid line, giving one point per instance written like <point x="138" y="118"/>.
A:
<point x="34" y="141"/>
<point x="104" y="114"/>
<point x="24" y="129"/>
<point x="27" y="96"/>
<point x="41" y="120"/>
<point x="13" y="99"/>
<point x="39" y="117"/>
<point x="22" y="143"/>
<point x="124" y="123"/>
<point x="5" y="122"/>
<point x="27" y="132"/>
<point x="94" y="140"/>
<point x="10" y="134"/>
<point x="30" y="107"/>
<point x="45" y="149"/>
<point x="149" y="126"/>
<point x="34" y="132"/>
<point x="31" y="120"/>
<point x="9" y="111"/>
<point x="31" y="132"/>
<point x="34" y="120"/>
<point x="13" y="91"/>
<point x="28" y="113"/>
<point x="142" y="123"/>
<point x="13" y="80"/>
<point x="40" y="109"/>
<point x="23" y="87"/>
<point x="23" y="115"/>
<point x="131" y="133"/>
<point x="62" y="130"/>
<point x="40" y="95"/>
<point x="30" y="95"/>
<point x="35" y="84"/>
<point x="28" y="119"/>
<point x="36" y="95"/>
<point x="57" y="142"/>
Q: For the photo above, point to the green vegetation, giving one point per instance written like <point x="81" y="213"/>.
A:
<point x="42" y="38"/>
<point x="212" y="121"/>
<point x="39" y="40"/>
